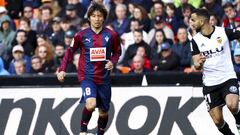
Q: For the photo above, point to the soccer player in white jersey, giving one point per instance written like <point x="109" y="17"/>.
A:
<point x="211" y="52"/>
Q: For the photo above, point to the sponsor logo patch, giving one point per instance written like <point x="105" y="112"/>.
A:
<point x="98" y="54"/>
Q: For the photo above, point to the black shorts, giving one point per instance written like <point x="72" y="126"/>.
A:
<point x="215" y="95"/>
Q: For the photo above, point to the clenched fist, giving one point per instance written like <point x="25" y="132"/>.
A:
<point x="61" y="75"/>
<point x="109" y="65"/>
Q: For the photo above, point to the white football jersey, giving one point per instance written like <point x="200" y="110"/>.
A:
<point x="218" y="66"/>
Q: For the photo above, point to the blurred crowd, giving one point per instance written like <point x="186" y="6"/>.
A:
<point x="155" y="34"/>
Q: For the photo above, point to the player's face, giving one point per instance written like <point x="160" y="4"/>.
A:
<point x="134" y="25"/>
<point x="141" y="51"/>
<point x="42" y="52"/>
<point x="182" y="35"/>
<point x="21" y="37"/>
<point x="159" y="37"/>
<point x="237" y="59"/>
<point x="195" y="22"/>
<point x="27" y="12"/>
<point x="138" y="63"/>
<point x="120" y="12"/>
<point x="36" y="63"/>
<point x="17" y="55"/>
<point x="138" y="37"/>
<point x="230" y="12"/>
<point x="213" y="20"/>
<point x="96" y="19"/>
<point x="59" y="51"/>
<point x="19" y="68"/>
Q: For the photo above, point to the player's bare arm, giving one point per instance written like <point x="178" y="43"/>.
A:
<point x="198" y="61"/>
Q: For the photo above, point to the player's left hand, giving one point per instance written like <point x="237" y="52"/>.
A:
<point x="61" y="75"/>
<point x="109" y="65"/>
<point x="201" y="60"/>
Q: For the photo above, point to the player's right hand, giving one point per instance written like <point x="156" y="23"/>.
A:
<point x="202" y="59"/>
<point x="61" y="75"/>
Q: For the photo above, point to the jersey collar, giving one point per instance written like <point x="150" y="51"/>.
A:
<point x="209" y="36"/>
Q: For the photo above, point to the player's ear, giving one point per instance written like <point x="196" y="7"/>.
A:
<point x="202" y="21"/>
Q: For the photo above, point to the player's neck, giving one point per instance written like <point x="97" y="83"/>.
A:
<point x="96" y="29"/>
<point x="207" y="29"/>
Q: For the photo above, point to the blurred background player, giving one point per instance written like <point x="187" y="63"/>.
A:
<point x="96" y="61"/>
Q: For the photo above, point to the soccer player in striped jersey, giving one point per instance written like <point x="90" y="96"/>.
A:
<point x="99" y="51"/>
<point x="211" y="52"/>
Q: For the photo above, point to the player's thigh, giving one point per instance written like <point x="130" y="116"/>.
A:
<point x="89" y="94"/>
<point x="217" y="115"/>
<point x="231" y="94"/>
<point x="104" y="97"/>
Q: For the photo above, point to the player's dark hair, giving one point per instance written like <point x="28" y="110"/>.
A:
<point x="159" y="2"/>
<point x="227" y="5"/>
<point x="161" y="30"/>
<point x="36" y="57"/>
<point x="216" y="17"/>
<point x="65" y="19"/>
<point x="21" y="30"/>
<point x="84" y="21"/>
<point x="171" y="6"/>
<point x="97" y="7"/>
<point x="46" y="8"/>
<point x="139" y="31"/>
<point x="203" y="13"/>
<point x="186" y="7"/>
<point x="25" y="19"/>
<point x="135" y="20"/>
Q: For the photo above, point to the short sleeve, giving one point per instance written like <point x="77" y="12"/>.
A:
<point x="194" y="48"/>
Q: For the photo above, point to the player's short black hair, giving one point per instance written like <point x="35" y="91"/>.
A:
<point x="139" y="31"/>
<point x="25" y="19"/>
<point x="159" y="2"/>
<point x="97" y="7"/>
<point x="23" y="31"/>
<point x="203" y="13"/>
<point x="36" y="57"/>
<point x="135" y="20"/>
<point x="84" y="21"/>
<point x="227" y="5"/>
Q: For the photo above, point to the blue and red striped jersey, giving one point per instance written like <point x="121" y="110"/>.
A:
<point x="95" y="50"/>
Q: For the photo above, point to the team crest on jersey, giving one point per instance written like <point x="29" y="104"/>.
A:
<point x="106" y="38"/>
<point x="219" y="40"/>
<point x="72" y="43"/>
<point x="233" y="89"/>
